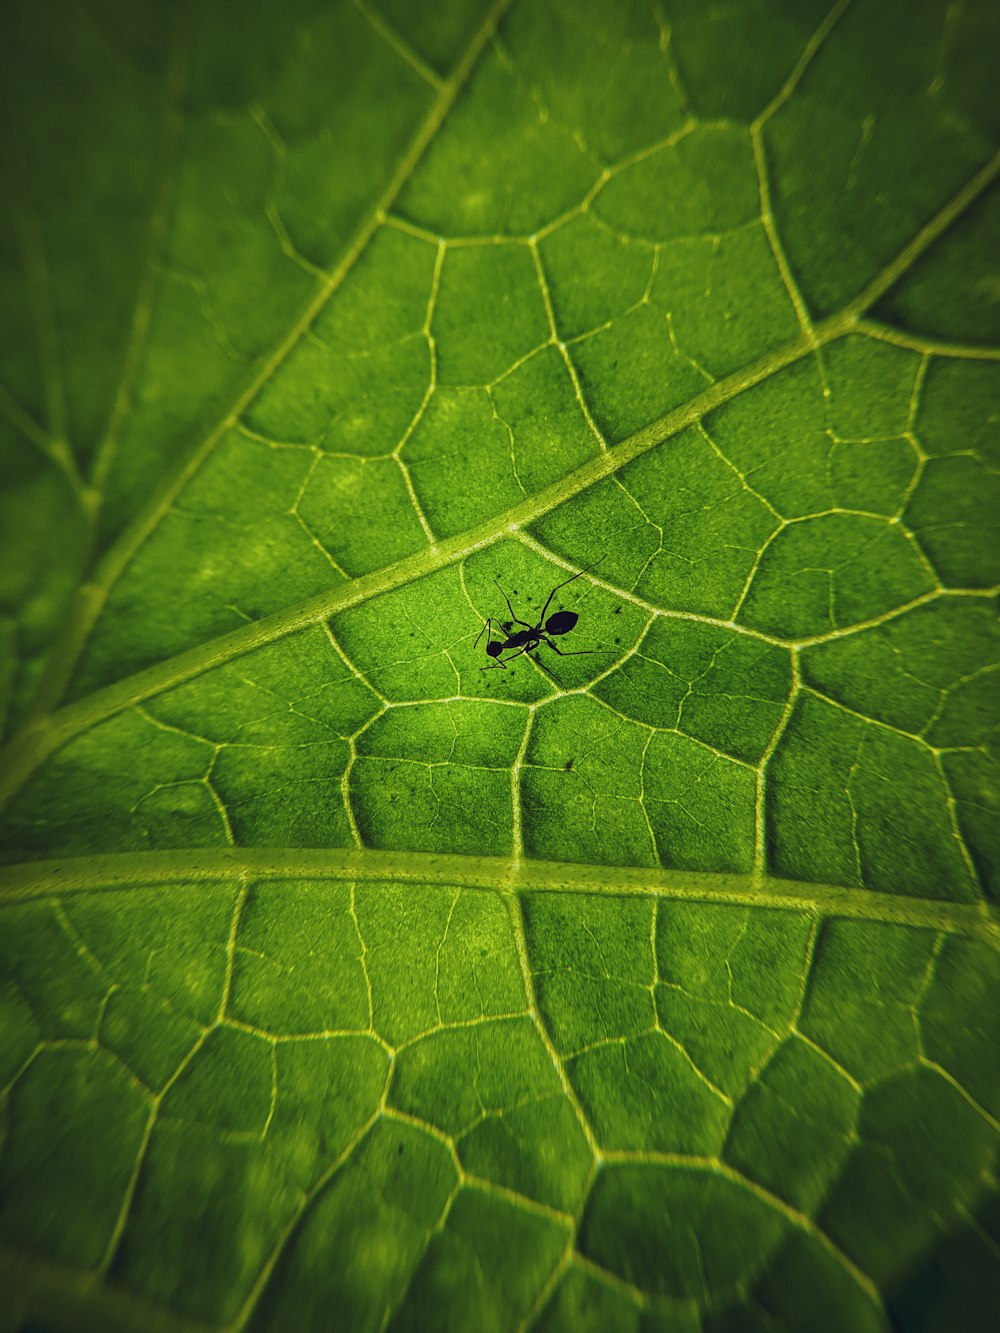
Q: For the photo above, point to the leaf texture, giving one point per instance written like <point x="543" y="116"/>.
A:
<point x="344" y="982"/>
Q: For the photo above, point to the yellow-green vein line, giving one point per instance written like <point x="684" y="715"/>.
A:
<point x="114" y="872"/>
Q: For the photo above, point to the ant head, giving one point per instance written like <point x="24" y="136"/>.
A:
<point x="494" y="649"/>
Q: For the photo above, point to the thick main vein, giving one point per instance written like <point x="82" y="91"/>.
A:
<point x="115" y="872"/>
<point x="43" y="735"/>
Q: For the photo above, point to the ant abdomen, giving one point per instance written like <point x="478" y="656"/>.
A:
<point x="561" y="623"/>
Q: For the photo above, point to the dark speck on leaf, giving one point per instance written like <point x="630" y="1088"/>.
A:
<point x="569" y="764"/>
<point x="617" y="640"/>
<point x="618" y="610"/>
<point x="399" y="1150"/>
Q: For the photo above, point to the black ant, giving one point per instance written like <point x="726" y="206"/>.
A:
<point x="526" y="640"/>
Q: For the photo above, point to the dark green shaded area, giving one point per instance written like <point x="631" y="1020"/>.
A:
<point x="878" y="1213"/>
<point x="86" y="1160"/>
<point x="705" y="40"/>
<point x="537" y="1149"/>
<point x="209" y="320"/>
<point x="258" y="1181"/>
<point x="711" y="527"/>
<point x="700" y="805"/>
<point x="87" y="799"/>
<point x="709" y="1032"/>
<point x="928" y="671"/>
<point x="973" y="778"/>
<point x="873" y="389"/>
<point x="792" y="1131"/>
<point x="489" y="313"/>
<point x="377" y="1212"/>
<point x="431" y="1077"/>
<point x="563" y="51"/>
<point x="729" y="983"/>
<point x="594" y="275"/>
<point x="40" y="522"/>
<point x="878" y="972"/>
<point x="581" y="1301"/>
<point x="723" y="297"/>
<point x="956" y="408"/>
<point x="714" y="686"/>
<point x="149" y="1037"/>
<point x="638" y="1083"/>
<point x="644" y="1093"/>
<point x="593" y="759"/>
<point x="753" y="960"/>
<point x="776" y="437"/>
<point x="173" y="946"/>
<point x="435" y="958"/>
<point x="802" y="1267"/>
<point x="955" y="1282"/>
<point x="84" y="156"/>
<point x="592" y="957"/>
<point x="828" y="572"/>
<point x="951" y="293"/>
<point x="51" y="990"/>
<point x="964" y="545"/>
<point x="353" y="386"/>
<point x="632" y="372"/>
<point x="958" y="1018"/>
<point x="702" y="183"/>
<point x="514" y="169"/>
<point x="633" y="1226"/>
<point x="840" y="807"/>
<point x="439" y="37"/>
<point x="465" y="1269"/>
<point x="885" y="78"/>
<point x="410" y="803"/>
<point x="461" y="428"/>
<point x="226" y="1085"/>
<point x="21" y="1031"/>
<point x="298" y="963"/>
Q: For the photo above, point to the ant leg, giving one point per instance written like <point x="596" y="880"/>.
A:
<point x="489" y="635"/>
<point x="502" y="663"/>
<point x="574" y="652"/>
<point x="541" y="618"/>
<point x="517" y="653"/>
<point x="511" y="609"/>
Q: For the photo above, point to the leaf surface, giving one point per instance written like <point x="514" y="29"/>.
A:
<point x="344" y="981"/>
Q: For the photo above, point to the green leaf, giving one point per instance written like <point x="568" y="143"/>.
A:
<point x="344" y="983"/>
